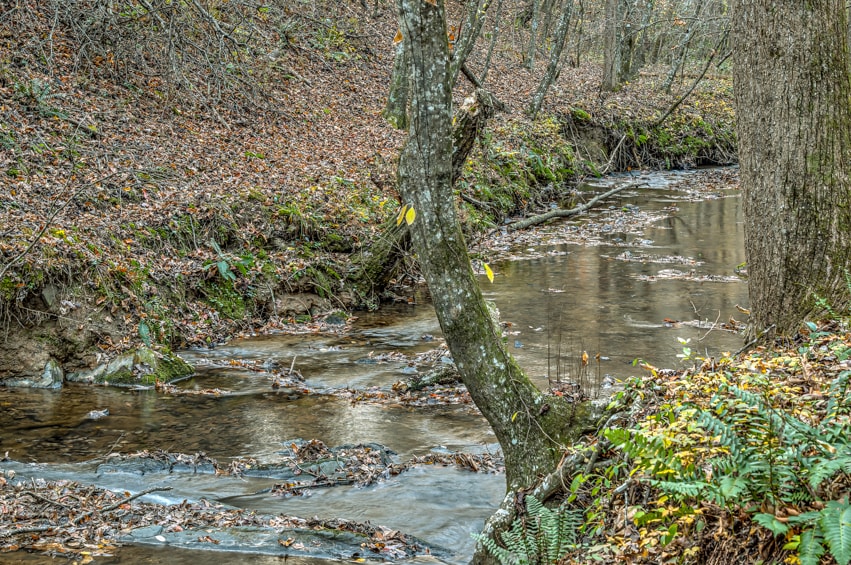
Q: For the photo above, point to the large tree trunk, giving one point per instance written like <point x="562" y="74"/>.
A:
<point x="529" y="426"/>
<point x="791" y="77"/>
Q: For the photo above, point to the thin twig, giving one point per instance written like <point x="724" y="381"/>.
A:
<point x="44" y="499"/>
<point x="112" y="507"/>
<point x="34" y="529"/>
<point x="49" y="221"/>
<point x="753" y="342"/>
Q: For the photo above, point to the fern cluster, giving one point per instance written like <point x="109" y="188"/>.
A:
<point x="541" y="537"/>
<point x="762" y="459"/>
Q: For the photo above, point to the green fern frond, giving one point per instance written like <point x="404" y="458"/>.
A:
<point x="681" y="489"/>
<point x="727" y="435"/>
<point x="541" y="537"/>
<point x="822" y="469"/>
<point x="810" y="548"/>
<point x="836" y="526"/>
<point x="838" y="395"/>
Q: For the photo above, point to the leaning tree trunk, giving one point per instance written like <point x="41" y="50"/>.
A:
<point x="468" y="123"/>
<point x="552" y="67"/>
<point x="528" y="426"/>
<point x="679" y="60"/>
<point x="476" y="12"/>
<point x="792" y="88"/>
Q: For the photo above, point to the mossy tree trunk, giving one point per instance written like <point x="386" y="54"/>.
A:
<point x="793" y="108"/>
<point x="470" y="120"/>
<point x="374" y="267"/>
<point x="396" y="109"/>
<point x="528" y="425"/>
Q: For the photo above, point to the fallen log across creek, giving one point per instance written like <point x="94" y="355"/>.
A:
<point x="559" y="213"/>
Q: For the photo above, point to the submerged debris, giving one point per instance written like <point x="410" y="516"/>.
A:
<point x="674" y="274"/>
<point x="316" y="465"/>
<point x="67" y="518"/>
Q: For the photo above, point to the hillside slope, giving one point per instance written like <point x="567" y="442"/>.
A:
<point x="164" y="186"/>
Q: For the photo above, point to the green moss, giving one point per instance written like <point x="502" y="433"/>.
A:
<point x="144" y="367"/>
<point x="580" y="114"/>
<point x="8" y="288"/>
<point x="222" y="296"/>
<point x="514" y="163"/>
<point x="324" y="278"/>
<point x="335" y="243"/>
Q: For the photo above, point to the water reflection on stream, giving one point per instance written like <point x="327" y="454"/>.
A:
<point x="600" y="298"/>
<point x="610" y="298"/>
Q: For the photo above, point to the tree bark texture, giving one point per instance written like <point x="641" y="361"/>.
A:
<point x="470" y="121"/>
<point x="528" y="426"/>
<point x="792" y="89"/>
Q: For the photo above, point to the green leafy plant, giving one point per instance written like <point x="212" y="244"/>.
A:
<point x="38" y="94"/>
<point x="227" y="263"/>
<point x="760" y="458"/>
<point x="541" y="537"/>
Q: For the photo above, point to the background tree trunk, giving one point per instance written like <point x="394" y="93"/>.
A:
<point x="682" y="48"/>
<point x="555" y="56"/>
<point x="529" y="427"/>
<point x="612" y="49"/>
<point x="791" y="83"/>
<point x="396" y="109"/>
<point x="533" y="35"/>
<point x="494" y="36"/>
<point x="477" y="10"/>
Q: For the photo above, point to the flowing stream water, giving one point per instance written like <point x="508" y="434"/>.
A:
<point x="650" y="275"/>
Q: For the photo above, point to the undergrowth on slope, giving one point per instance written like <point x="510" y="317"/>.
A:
<point x="742" y="459"/>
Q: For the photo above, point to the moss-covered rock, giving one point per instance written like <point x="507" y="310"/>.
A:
<point x="144" y="366"/>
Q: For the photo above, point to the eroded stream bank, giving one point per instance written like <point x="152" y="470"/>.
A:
<point x="624" y="283"/>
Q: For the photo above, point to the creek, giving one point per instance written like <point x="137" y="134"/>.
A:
<point x="621" y="284"/>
